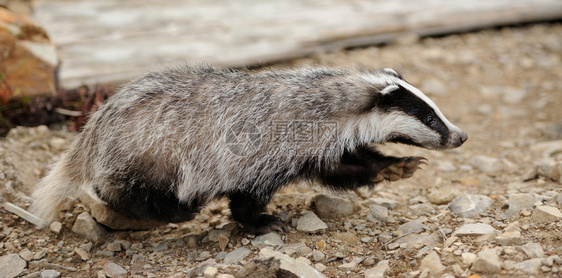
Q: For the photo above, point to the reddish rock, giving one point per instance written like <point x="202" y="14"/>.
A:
<point x="28" y="59"/>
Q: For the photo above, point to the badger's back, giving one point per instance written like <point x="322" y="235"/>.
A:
<point x="166" y="132"/>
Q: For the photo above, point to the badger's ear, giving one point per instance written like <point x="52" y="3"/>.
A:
<point x="393" y="73"/>
<point x="389" y="89"/>
<point x="376" y="96"/>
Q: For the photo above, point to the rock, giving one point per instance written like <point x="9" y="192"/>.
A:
<point x="26" y="254"/>
<point x="443" y="195"/>
<point x="510" y="238"/>
<point x="387" y="203"/>
<point x="518" y="202"/>
<point x="86" y="226"/>
<point x="432" y="263"/>
<point x="215" y="235"/>
<point x="210" y="272"/>
<point x="412" y="227"/>
<point x="379" y="271"/>
<point x="114" y="270"/>
<point x="548" y="148"/>
<point x="348" y="266"/>
<point x="532" y="250"/>
<point x="87" y="246"/>
<point x="487" y="261"/>
<point x="160" y="247"/>
<point x="111" y="218"/>
<point x="296" y="248"/>
<point x="223" y="242"/>
<point x="385" y="237"/>
<point x="414" y="240"/>
<point x="236" y="255"/>
<point x="475" y="229"/>
<point x="377" y="213"/>
<point x="113" y="247"/>
<point x="11" y="265"/>
<point x="421" y="209"/>
<point x="310" y="223"/>
<point x="296" y="267"/>
<point x="468" y="258"/>
<point x="29" y="59"/>
<point x="554" y="172"/>
<point x="40" y="254"/>
<point x="546" y="214"/>
<point x="347" y="238"/>
<point x="49" y="273"/>
<point x="318" y="256"/>
<point x="470" y="206"/>
<point x="457" y="270"/>
<point x="270" y="239"/>
<point x="331" y="207"/>
<point x="320" y="267"/>
<point x="203" y="256"/>
<point x="531" y="266"/>
<point x="489" y="165"/>
<point x="55" y="227"/>
<point x="82" y="253"/>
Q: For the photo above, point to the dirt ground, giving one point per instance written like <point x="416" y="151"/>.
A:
<point x="502" y="87"/>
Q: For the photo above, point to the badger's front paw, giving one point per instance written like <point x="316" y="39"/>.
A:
<point x="403" y="169"/>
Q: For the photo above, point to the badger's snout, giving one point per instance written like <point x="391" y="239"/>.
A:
<point x="457" y="139"/>
<point x="463" y="137"/>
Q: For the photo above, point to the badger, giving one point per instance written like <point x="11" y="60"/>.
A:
<point x="171" y="141"/>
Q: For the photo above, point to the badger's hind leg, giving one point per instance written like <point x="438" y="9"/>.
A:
<point x="139" y="199"/>
<point x="247" y="209"/>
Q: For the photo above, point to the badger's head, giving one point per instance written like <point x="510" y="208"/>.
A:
<point x="401" y="113"/>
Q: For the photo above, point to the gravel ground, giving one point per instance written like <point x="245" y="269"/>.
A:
<point x="491" y="207"/>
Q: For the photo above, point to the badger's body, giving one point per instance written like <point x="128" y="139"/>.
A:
<point x="169" y="142"/>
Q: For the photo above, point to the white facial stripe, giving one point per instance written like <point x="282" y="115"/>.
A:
<point x="389" y="89"/>
<point x="377" y="127"/>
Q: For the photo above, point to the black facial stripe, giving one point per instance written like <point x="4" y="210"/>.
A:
<point x="406" y="101"/>
<point x="440" y="127"/>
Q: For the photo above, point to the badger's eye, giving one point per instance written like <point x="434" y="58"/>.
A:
<point x="429" y="120"/>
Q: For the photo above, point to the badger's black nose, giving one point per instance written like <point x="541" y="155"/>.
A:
<point x="463" y="137"/>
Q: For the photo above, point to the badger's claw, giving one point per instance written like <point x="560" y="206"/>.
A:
<point x="403" y="169"/>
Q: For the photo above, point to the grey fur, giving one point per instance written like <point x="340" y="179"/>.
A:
<point x="171" y="126"/>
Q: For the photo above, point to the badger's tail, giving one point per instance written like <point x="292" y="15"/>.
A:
<point x="52" y="192"/>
